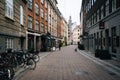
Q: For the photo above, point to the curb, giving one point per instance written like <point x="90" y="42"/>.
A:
<point x="110" y="67"/>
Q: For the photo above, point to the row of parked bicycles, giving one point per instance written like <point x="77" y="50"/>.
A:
<point x="11" y="59"/>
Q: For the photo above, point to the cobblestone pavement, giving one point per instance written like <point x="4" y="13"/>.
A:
<point x="67" y="65"/>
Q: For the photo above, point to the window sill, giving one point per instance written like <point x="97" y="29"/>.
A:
<point x="22" y="25"/>
<point x="12" y="19"/>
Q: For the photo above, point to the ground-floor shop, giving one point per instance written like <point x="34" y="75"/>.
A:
<point x="11" y="41"/>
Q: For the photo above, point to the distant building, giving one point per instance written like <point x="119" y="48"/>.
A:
<point x="70" y="30"/>
<point x="101" y="25"/>
<point x="77" y="32"/>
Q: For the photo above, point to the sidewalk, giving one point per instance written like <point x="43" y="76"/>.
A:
<point x="113" y="62"/>
<point x="20" y="70"/>
<point x="111" y="65"/>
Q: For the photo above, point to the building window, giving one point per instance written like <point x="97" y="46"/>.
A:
<point x="46" y="4"/>
<point x="9" y="8"/>
<point x="113" y="5"/>
<point x="42" y="1"/>
<point x="46" y="29"/>
<point x="88" y="7"/>
<point x="49" y="19"/>
<point x="42" y="28"/>
<point x="117" y="3"/>
<point x="92" y="19"/>
<point x="29" y="22"/>
<point x="102" y="12"/>
<point x="92" y="2"/>
<point x="97" y="15"/>
<point x="21" y="15"/>
<point x="86" y="10"/>
<point x="30" y="4"/>
<point x="113" y="33"/>
<point x="9" y="43"/>
<point x="46" y="17"/>
<point x="42" y="13"/>
<point x="36" y="9"/>
<point x="37" y="25"/>
<point x="107" y="8"/>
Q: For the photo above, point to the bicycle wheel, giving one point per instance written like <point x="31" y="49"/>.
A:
<point x="31" y="63"/>
<point x="36" y="58"/>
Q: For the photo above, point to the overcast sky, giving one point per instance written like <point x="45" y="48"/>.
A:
<point x="70" y="8"/>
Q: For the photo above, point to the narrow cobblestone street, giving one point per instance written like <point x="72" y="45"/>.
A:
<point x="67" y="65"/>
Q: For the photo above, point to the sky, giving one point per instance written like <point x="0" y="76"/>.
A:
<point x="70" y="8"/>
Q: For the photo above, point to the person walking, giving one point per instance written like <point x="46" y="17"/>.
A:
<point x="60" y="46"/>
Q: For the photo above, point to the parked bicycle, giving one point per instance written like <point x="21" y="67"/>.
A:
<point x="35" y="55"/>
<point x="28" y="60"/>
<point x="6" y="70"/>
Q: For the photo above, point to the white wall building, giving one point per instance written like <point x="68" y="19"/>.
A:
<point x="77" y="31"/>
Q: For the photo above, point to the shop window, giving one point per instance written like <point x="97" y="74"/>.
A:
<point x="117" y="3"/>
<point x="9" y="43"/>
<point x="113" y="33"/>
<point x="109" y="41"/>
<point x="117" y="41"/>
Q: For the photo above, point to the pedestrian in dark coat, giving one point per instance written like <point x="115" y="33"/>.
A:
<point x="60" y="46"/>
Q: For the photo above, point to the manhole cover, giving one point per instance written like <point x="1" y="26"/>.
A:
<point x="81" y="73"/>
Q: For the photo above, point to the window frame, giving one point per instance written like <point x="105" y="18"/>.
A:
<point x="9" y="10"/>
<point x="21" y="15"/>
<point x="42" y="13"/>
<point x="30" y="21"/>
<point x="30" y="4"/>
<point x="9" y="43"/>
<point x="36" y="8"/>
<point x="113" y="36"/>
<point x="37" y="25"/>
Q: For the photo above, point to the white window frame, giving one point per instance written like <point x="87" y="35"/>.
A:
<point x="107" y="8"/>
<point x="97" y="15"/>
<point x="42" y="27"/>
<point x="21" y="15"/>
<point x="42" y="13"/>
<point x="36" y="8"/>
<point x="46" y="16"/>
<point x="113" y="5"/>
<point x="9" y="43"/>
<point x="37" y="25"/>
<point x="102" y="12"/>
<point x="46" y="4"/>
<point x="42" y="1"/>
<point x="9" y="9"/>
<point x="30" y="4"/>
